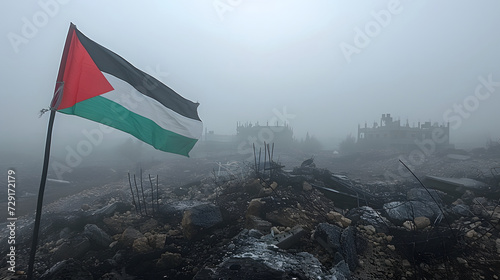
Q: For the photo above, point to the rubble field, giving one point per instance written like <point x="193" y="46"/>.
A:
<point x="359" y="216"/>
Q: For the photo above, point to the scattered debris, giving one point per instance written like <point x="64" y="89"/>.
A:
<point x="259" y="221"/>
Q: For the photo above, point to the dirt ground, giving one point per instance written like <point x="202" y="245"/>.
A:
<point x="97" y="185"/>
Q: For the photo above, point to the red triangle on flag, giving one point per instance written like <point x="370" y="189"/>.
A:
<point x="82" y="78"/>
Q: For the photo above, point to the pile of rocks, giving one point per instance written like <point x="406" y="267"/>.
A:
<point x="279" y="227"/>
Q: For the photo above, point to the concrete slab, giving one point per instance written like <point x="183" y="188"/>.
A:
<point x="459" y="182"/>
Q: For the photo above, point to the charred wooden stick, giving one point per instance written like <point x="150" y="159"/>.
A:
<point x="255" y="160"/>
<point x="157" y="196"/>
<point x="258" y="166"/>
<point x="272" y="152"/>
<point x="132" y="191"/>
<point x="138" y="197"/>
<point x="152" y="196"/>
<point x="144" y="197"/>
<point x="265" y="157"/>
<point x="270" y="162"/>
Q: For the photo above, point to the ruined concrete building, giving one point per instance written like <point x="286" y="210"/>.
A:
<point x="391" y="134"/>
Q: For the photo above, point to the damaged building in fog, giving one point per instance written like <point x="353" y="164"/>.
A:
<point x="391" y="134"/>
<point x="281" y="135"/>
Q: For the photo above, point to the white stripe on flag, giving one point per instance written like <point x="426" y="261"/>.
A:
<point x="133" y="100"/>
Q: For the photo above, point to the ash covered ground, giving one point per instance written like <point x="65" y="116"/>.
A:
<point x="359" y="216"/>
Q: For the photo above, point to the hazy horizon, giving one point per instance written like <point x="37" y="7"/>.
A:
<point x="321" y="66"/>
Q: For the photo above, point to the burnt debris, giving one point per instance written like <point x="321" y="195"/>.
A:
<point x="259" y="220"/>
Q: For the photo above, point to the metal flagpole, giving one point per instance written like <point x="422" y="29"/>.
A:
<point x="54" y="104"/>
<point x="39" y="203"/>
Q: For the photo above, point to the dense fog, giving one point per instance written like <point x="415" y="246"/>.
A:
<point x="320" y="67"/>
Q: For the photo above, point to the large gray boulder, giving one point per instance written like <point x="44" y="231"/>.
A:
<point x="98" y="237"/>
<point x="348" y="248"/>
<point x="199" y="218"/>
<point x="401" y="211"/>
<point x="69" y="269"/>
<point x="254" y="259"/>
<point x="75" y="247"/>
<point x="328" y="236"/>
<point x="365" y="215"/>
<point x="335" y="240"/>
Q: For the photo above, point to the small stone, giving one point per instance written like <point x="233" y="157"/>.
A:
<point x="254" y="207"/>
<point x="461" y="260"/>
<point x="388" y="262"/>
<point x="470" y="233"/>
<point x="141" y="245"/>
<point x="389" y="238"/>
<point x="274" y="185"/>
<point x="370" y="229"/>
<point x="306" y="186"/>
<point x="275" y="230"/>
<point x="334" y="216"/>
<point x="409" y="225"/>
<point x="157" y="241"/>
<point x="406" y="263"/>
<point x="391" y="247"/>
<point x="129" y="235"/>
<point x="421" y="222"/>
<point x="345" y="222"/>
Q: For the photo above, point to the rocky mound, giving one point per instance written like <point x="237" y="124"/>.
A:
<point x="306" y="223"/>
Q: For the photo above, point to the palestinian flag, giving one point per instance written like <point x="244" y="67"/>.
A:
<point x="97" y="84"/>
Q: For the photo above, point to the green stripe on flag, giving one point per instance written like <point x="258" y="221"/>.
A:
<point x="102" y="110"/>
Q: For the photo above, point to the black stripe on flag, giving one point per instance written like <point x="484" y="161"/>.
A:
<point x="113" y="64"/>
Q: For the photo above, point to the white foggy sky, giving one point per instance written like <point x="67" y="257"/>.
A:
<point x="265" y="56"/>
